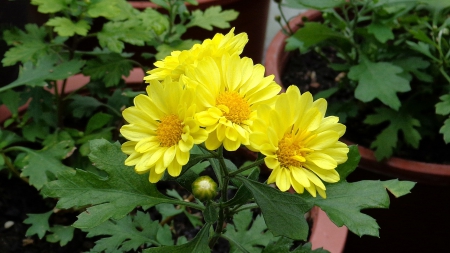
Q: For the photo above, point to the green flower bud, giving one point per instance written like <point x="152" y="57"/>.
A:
<point x="204" y="188"/>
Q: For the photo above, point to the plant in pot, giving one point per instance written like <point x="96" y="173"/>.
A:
<point x="75" y="79"/>
<point x="389" y="63"/>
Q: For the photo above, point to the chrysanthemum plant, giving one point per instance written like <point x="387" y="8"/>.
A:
<point x="396" y="59"/>
<point x="202" y="108"/>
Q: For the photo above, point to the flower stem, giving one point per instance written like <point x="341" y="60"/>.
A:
<point x="250" y="166"/>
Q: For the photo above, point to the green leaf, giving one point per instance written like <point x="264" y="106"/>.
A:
<point x="128" y="233"/>
<point x="307" y="248"/>
<point x="243" y="195"/>
<point x="345" y="201"/>
<point x="45" y="69"/>
<point x="198" y="245"/>
<point x="66" y="28"/>
<point x="26" y="46"/>
<point x="314" y="4"/>
<point x="7" y="138"/>
<point x="109" y="68"/>
<point x="111" y="197"/>
<point x="371" y="86"/>
<point x="61" y="234"/>
<point x="345" y="169"/>
<point x="103" y="8"/>
<point x="50" y="6"/>
<point x="283" y="212"/>
<point x="213" y="16"/>
<point x="443" y="107"/>
<point x="281" y="245"/>
<point x="83" y="105"/>
<point x="422" y="48"/>
<point x="115" y="34"/>
<point x="414" y="65"/>
<point x="386" y="141"/>
<point x="210" y="214"/>
<point x="167" y="210"/>
<point x="445" y="130"/>
<point x="11" y="100"/>
<point x="243" y="235"/>
<point x="382" y="32"/>
<point x="97" y="121"/>
<point x="44" y="164"/>
<point x="314" y="33"/>
<point x="39" y="224"/>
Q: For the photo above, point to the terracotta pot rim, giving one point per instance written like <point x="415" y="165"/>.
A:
<point x="429" y="173"/>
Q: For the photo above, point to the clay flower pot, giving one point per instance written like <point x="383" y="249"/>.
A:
<point x="428" y="173"/>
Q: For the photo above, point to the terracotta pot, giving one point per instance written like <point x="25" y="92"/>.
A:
<point x="428" y="173"/>
<point x="252" y="19"/>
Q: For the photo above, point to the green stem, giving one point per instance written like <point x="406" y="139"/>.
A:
<point x="250" y="166"/>
<point x="290" y="32"/>
<point x="244" y="207"/>
<point x="188" y="204"/>
<point x="237" y="244"/>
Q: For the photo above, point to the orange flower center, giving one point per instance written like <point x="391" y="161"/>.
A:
<point x="169" y="130"/>
<point x="236" y="109"/>
<point x="291" y="152"/>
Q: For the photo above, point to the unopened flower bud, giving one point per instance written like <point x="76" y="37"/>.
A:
<point x="204" y="188"/>
<point x="277" y="18"/>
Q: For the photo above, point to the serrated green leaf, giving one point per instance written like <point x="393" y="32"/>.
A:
<point x="7" y="138"/>
<point x="353" y="157"/>
<point x="109" y="68"/>
<point x="345" y="201"/>
<point x="398" y="188"/>
<point x="443" y="107"/>
<point x="198" y="245"/>
<point x="83" y="105"/>
<point x="43" y="165"/>
<point x="213" y="16"/>
<point x="167" y="210"/>
<point x="314" y="33"/>
<point x="115" y="34"/>
<point x="382" y="32"/>
<point x="128" y="233"/>
<point x="111" y="197"/>
<point x="386" y="141"/>
<point x="414" y="65"/>
<point x="371" y="86"/>
<point x="154" y="21"/>
<point x="307" y="248"/>
<point x="104" y="8"/>
<point x="445" y="130"/>
<point x="280" y="245"/>
<point x="39" y="224"/>
<point x="97" y="121"/>
<point x="67" y="28"/>
<point x="45" y="69"/>
<point x="11" y="100"/>
<point x="210" y="214"/>
<point x="61" y="234"/>
<point x="422" y="48"/>
<point x="283" y="212"/>
<point x="242" y="235"/>
<point x="50" y="6"/>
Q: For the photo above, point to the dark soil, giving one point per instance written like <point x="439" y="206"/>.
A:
<point x="311" y="72"/>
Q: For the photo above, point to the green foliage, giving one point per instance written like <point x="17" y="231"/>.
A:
<point x="213" y="16"/>
<point x="247" y="233"/>
<point x="61" y="234"/>
<point x="39" y="224"/>
<point x="129" y="233"/>
<point x="394" y="53"/>
<point x="111" y="197"/>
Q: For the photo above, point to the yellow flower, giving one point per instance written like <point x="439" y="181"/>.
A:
<point x="229" y="91"/>
<point x="300" y="144"/>
<point x="161" y="130"/>
<point x="175" y="64"/>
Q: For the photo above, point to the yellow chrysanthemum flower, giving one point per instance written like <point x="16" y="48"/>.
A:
<point x="161" y="130"/>
<point x="301" y="145"/>
<point x="175" y="64"/>
<point x="229" y="92"/>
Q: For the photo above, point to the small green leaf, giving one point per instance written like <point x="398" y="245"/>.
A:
<point x="39" y="224"/>
<point x="97" y="121"/>
<point x="109" y="68"/>
<point x="129" y="233"/>
<point x="66" y="28"/>
<point x="283" y="212"/>
<point x="314" y="33"/>
<point x="213" y="16"/>
<point x="422" y="48"/>
<point x="43" y="165"/>
<point x="242" y="235"/>
<point x="415" y="65"/>
<point x="382" y="32"/>
<point x="167" y="210"/>
<point x="210" y="214"/>
<point x="351" y="164"/>
<point x="314" y="4"/>
<point x="443" y="107"/>
<point x="7" y="138"/>
<point x="398" y="188"/>
<point x="61" y="234"/>
<point x="103" y="8"/>
<point x="198" y="245"/>
<point x="83" y="105"/>
<point x="50" y="6"/>
<point x="445" y="130"/>
<point x="114" y="34"/>
<point x="371" y="86"/>
<point x="11" y="100"/>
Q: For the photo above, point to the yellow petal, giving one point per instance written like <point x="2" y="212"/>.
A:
<point x="322" y="160"/>
<point x="128" y="147"/>
<point x="174" y="169"/>
<point x="169" y="155"/>
<point x="300" y="176"/>
<point x="182" y="157"/>
<point x="135" y="132"/>
<point x="154" y="177"/>
<point x="284" y="180"/>
<point x="231" y="145"/>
